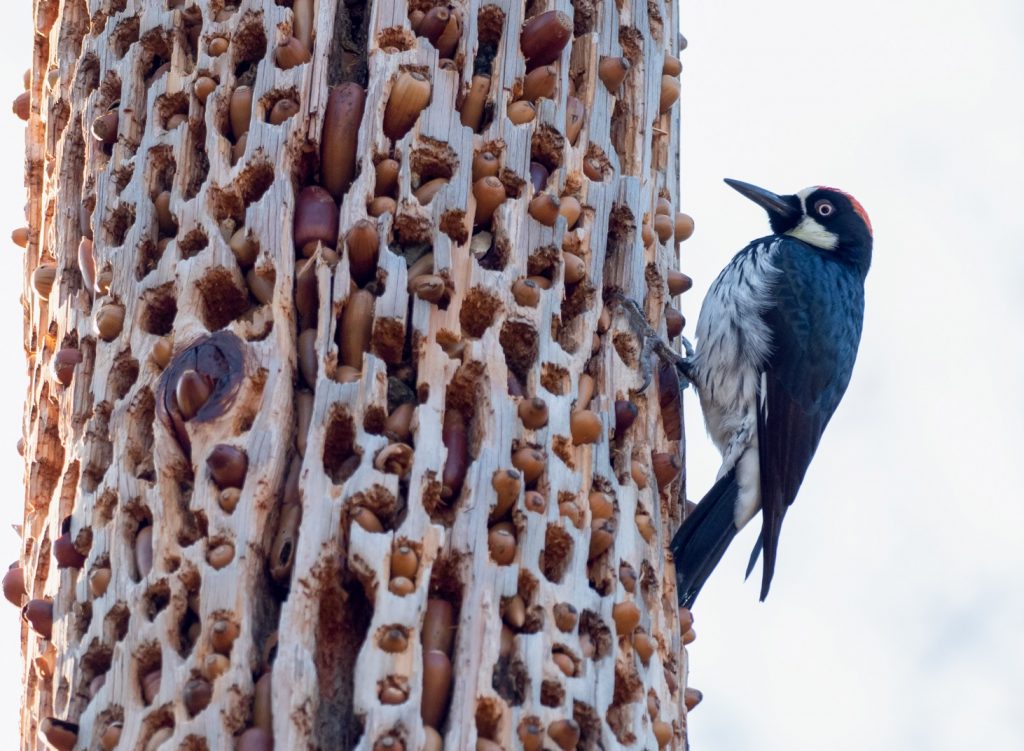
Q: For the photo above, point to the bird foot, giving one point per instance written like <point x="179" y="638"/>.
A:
<point x="652" y="345"/>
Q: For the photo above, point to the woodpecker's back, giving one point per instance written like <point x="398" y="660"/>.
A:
<point x="776" y="342"/>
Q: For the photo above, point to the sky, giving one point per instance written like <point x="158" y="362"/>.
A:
<point x="896" y="617"/>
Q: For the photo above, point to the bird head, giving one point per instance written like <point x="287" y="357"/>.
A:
<point x="825" y="218"/>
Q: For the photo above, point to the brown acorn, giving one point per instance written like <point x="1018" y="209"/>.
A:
<point x="192" y="391"/>
<point x="472" y="111"/>
<point x="382" y="205"/>
<point x="355" y="328"/>
<point x="256" y="739"/>
<point x="584" y="391"/>
<point x="571" y="209"/>
<point x="575" y="116"/>
<point x="663" y="228"/>
<point x="626" y="616"/>
<point x="438" y="631"/>
<point x="39" y="615"/>
<point x="228" y="466"/>
<point x="109" y="321"/>
<point x="425" y="193"/>
<point x="362" y="242"/>
<point x="340" y="138"/>
<point x="282" y="110"/>
<point x="538" y="176"/>
<point x="585" y="426"/>
<point x="489" y="193"/>
<point x="544" y="209"/>
<point x="22" y="106"/>
<point x="203" y="87"/>
<point x="240" y="111"/>
<point x="196" y="695"/>
<point x="575" y="268"/>
<point x="66" y="554"/>
<point x="531" y="734"/>
<point x="526" y="293"/>
<point x="387" y="177"/>
<point x="111" y="736"/>
<point x="316" y="220"/>
<point x="485" y="164"/>
<point x="501" y="541"/>
<point x="672" y="66"/>
<point x="14" y="584"/>
<point x="692" y="697"/>
<point x="674" y="322"/>
<point x="20" y="237"/>
<point x="565" y="733"/>
<point x="521" y="112"/>
<point x="43" y="278"/>
<point x="678" y="283"/>
<point x="612" y="72"/>
<point x="662" y="733"/>
<point x="593" y="170"/>
<point x="566" y="616"/>
<point x="533" y="413"/>
<point x="455" y="439"/>
<point x="409" y="96"/>
<point x="540" y="83"/>
<point x="669" y="93"/>
<point x="601" y="505"/>
<point x="144" y="551"/>
<point x="544" y="37"/>
<point x="104" y="127"/>
<point x="666" y="466"/>
<point x="302" y="22"/>
<point x="62" y="735"/>
<point x="625" y="414"/>
<point x="291" y="52"/>
<point x="531" y="462"/>
<point x="220" y="555"/>
<point x="683" y="228"/>
<point x="602" y="535"/>
<point x="507" y="484"/>
<point x="64" y="362"/>
<point x="437" y="682"/>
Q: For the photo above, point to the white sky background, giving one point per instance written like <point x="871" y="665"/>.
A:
<point x="896" y="618"/>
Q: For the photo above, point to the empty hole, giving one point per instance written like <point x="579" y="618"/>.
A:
<point x="552" y="694"/>
<point x="511" y="680"/>
<point x="554" y="379"/>
<point x="519" y="341"/>
<point x="557" y="554"/>
<point x="123" y="375"/>
<point x="118" y="223"/>
<point x="547" y="147"/>
<point x="138" y="456"/>
<point x="159" y="309"/>
<point x="600" y="635"/>
<point x="193" y="243"/>
<point x="254" y="181"/>
<point x="115" y="623"/>
<point x="222" y="300"/>
<point x="397" y="38"/>
<point x="478" y="310"/>
<point x="341" y="457"/>
<point x="148" y="254"/>
<point x="156" y="599"/>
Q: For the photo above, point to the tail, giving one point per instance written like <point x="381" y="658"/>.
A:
<point x="701" y="542"/>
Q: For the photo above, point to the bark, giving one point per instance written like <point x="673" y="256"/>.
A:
<point x="355" y="501"/>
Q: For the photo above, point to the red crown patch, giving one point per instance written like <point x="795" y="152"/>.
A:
<point x="856" y="206"/>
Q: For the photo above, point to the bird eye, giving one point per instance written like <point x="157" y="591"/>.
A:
<point x="824" y="208"/>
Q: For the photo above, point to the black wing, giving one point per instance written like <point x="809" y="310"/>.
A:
<point x="815" y="321"/>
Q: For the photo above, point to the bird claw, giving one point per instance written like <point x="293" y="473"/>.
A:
<point x="652" y="345"/>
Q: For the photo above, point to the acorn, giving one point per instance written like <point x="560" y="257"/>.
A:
<point x="627" y="577"/>
<point x="64" y="362"/>
<point x="238" y="149"/>
<point x="564" y="663"/>
<point x="663" y="228"/>
<point x="144" y="551"/>
<point x="565" y="733"/>
<point x="575" y="116"/>
<point x="387" y="177"/>
<point x="240" y="111"/>
<point x="282" y="110"/>
<point x="453" y="435"/>
<point x="14" y="584"/>
<point x="291" y="52"/>
<point x="531" y="462"/>
<point x="538" y="176"/>
<point x="692" y="697"/>
<point x="196" y="695"/>
<point x="394" y="640"/>
<point x="674" y="322"/>
<point x="571" y="209"/>
<point x="151" y="685"/>
<point x="544" y="209"/>
<point x="584" y="391"/>
<point x="625" y="414"/>
<point x="644" y="646"/>
<point x="602" y="535"/>
<point x="593" y="170"/>
<point x="302" y="22"/>
<point x="526" y="293"/>
<point x="544" y="37"/>
<point x="367" y="520"/>
<point x="409" y="96"/>
<point x="533" y="413"/>
<point x="217" y="46"/>
<point x="39" y="615"/>
<point x="256" y="739"/>
<point x="202" y="87"/>
<point x="638" y="472"/>
<point x="531" y="734"/>
<point x="662" y="733"/>
<point x="685" y="620"/>
<point x="111" y="736"/>
<point x="571" y="511"/>
<point x="109" y="321"/>
<point x="398" y="425"/>
<point x="43" y="278"/>
<point x="507" y="484"/>
<point x="689" y="636"/>
<point x="355" y="328"/>
<point x="485" y="164"/>
<point x="671" y="66"/>
<point x="566" y="616"/>
<point x="472" y="111"/>
<point x="192" y="391"/>
<point x="647" y="234"/>
<point x="433" y="742"/>
<point x="22" y="106"/>
<point x="99" y="580"/>
<point x="585" y="426"/>
<point x="626" y="616"/>
<point x="404" y="562"/>
<point x="442" y="28"/>
<point x="438" y="631"/>
<point x="437" y="682"/>
<point x="104" y="127"/>
<point x="389" y="743"/>
<point x="501" y="542"/>
<point x="612" y="72"/>
<point x="66" y="554"/>
<point x="20" y="237"/>
<point x="683" y="227"/>
<point x="426" y="192"/>
<point x="666" y="466"/>
<point x="601" y="505"/>
<point x="340" y="138"/>
<point x="489" y="193"/>
<point x="669" y="93"/>
<point x="220" y="555"/>
<point x="382" y="205"/>
<point x="575" y="268"/>
<point x="535" y="502"/>
<point x="540" y="83"/>
<point x="678" y="283"/>
<point x="316" y="220"/>
<point x="60" y="734"/>
<point x="521" y="112"/>
<point x="308" y="361"/>
<point x="394" y="459"/>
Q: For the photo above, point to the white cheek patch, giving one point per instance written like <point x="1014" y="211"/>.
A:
<point x="813" y="233"/>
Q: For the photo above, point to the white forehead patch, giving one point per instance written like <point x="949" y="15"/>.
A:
<point x="809" y="230"/>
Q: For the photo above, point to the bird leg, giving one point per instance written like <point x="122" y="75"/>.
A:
<point x="652" y="345"/>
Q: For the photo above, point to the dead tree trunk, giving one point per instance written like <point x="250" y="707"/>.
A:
<point x="332" y="437"/>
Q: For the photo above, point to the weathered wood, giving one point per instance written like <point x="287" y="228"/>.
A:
<point x="297" y="578"/>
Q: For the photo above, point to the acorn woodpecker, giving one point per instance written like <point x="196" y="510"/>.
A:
<point x="776" y="341"/>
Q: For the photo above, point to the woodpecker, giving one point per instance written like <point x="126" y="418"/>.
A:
<point x="776" y="342"/>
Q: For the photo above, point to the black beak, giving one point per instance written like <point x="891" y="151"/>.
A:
<point x="774" y="204"/>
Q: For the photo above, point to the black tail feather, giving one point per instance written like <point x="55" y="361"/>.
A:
<point x="701" y="541"/>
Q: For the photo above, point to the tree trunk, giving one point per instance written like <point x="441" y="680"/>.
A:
<point x="320" y="467"/>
